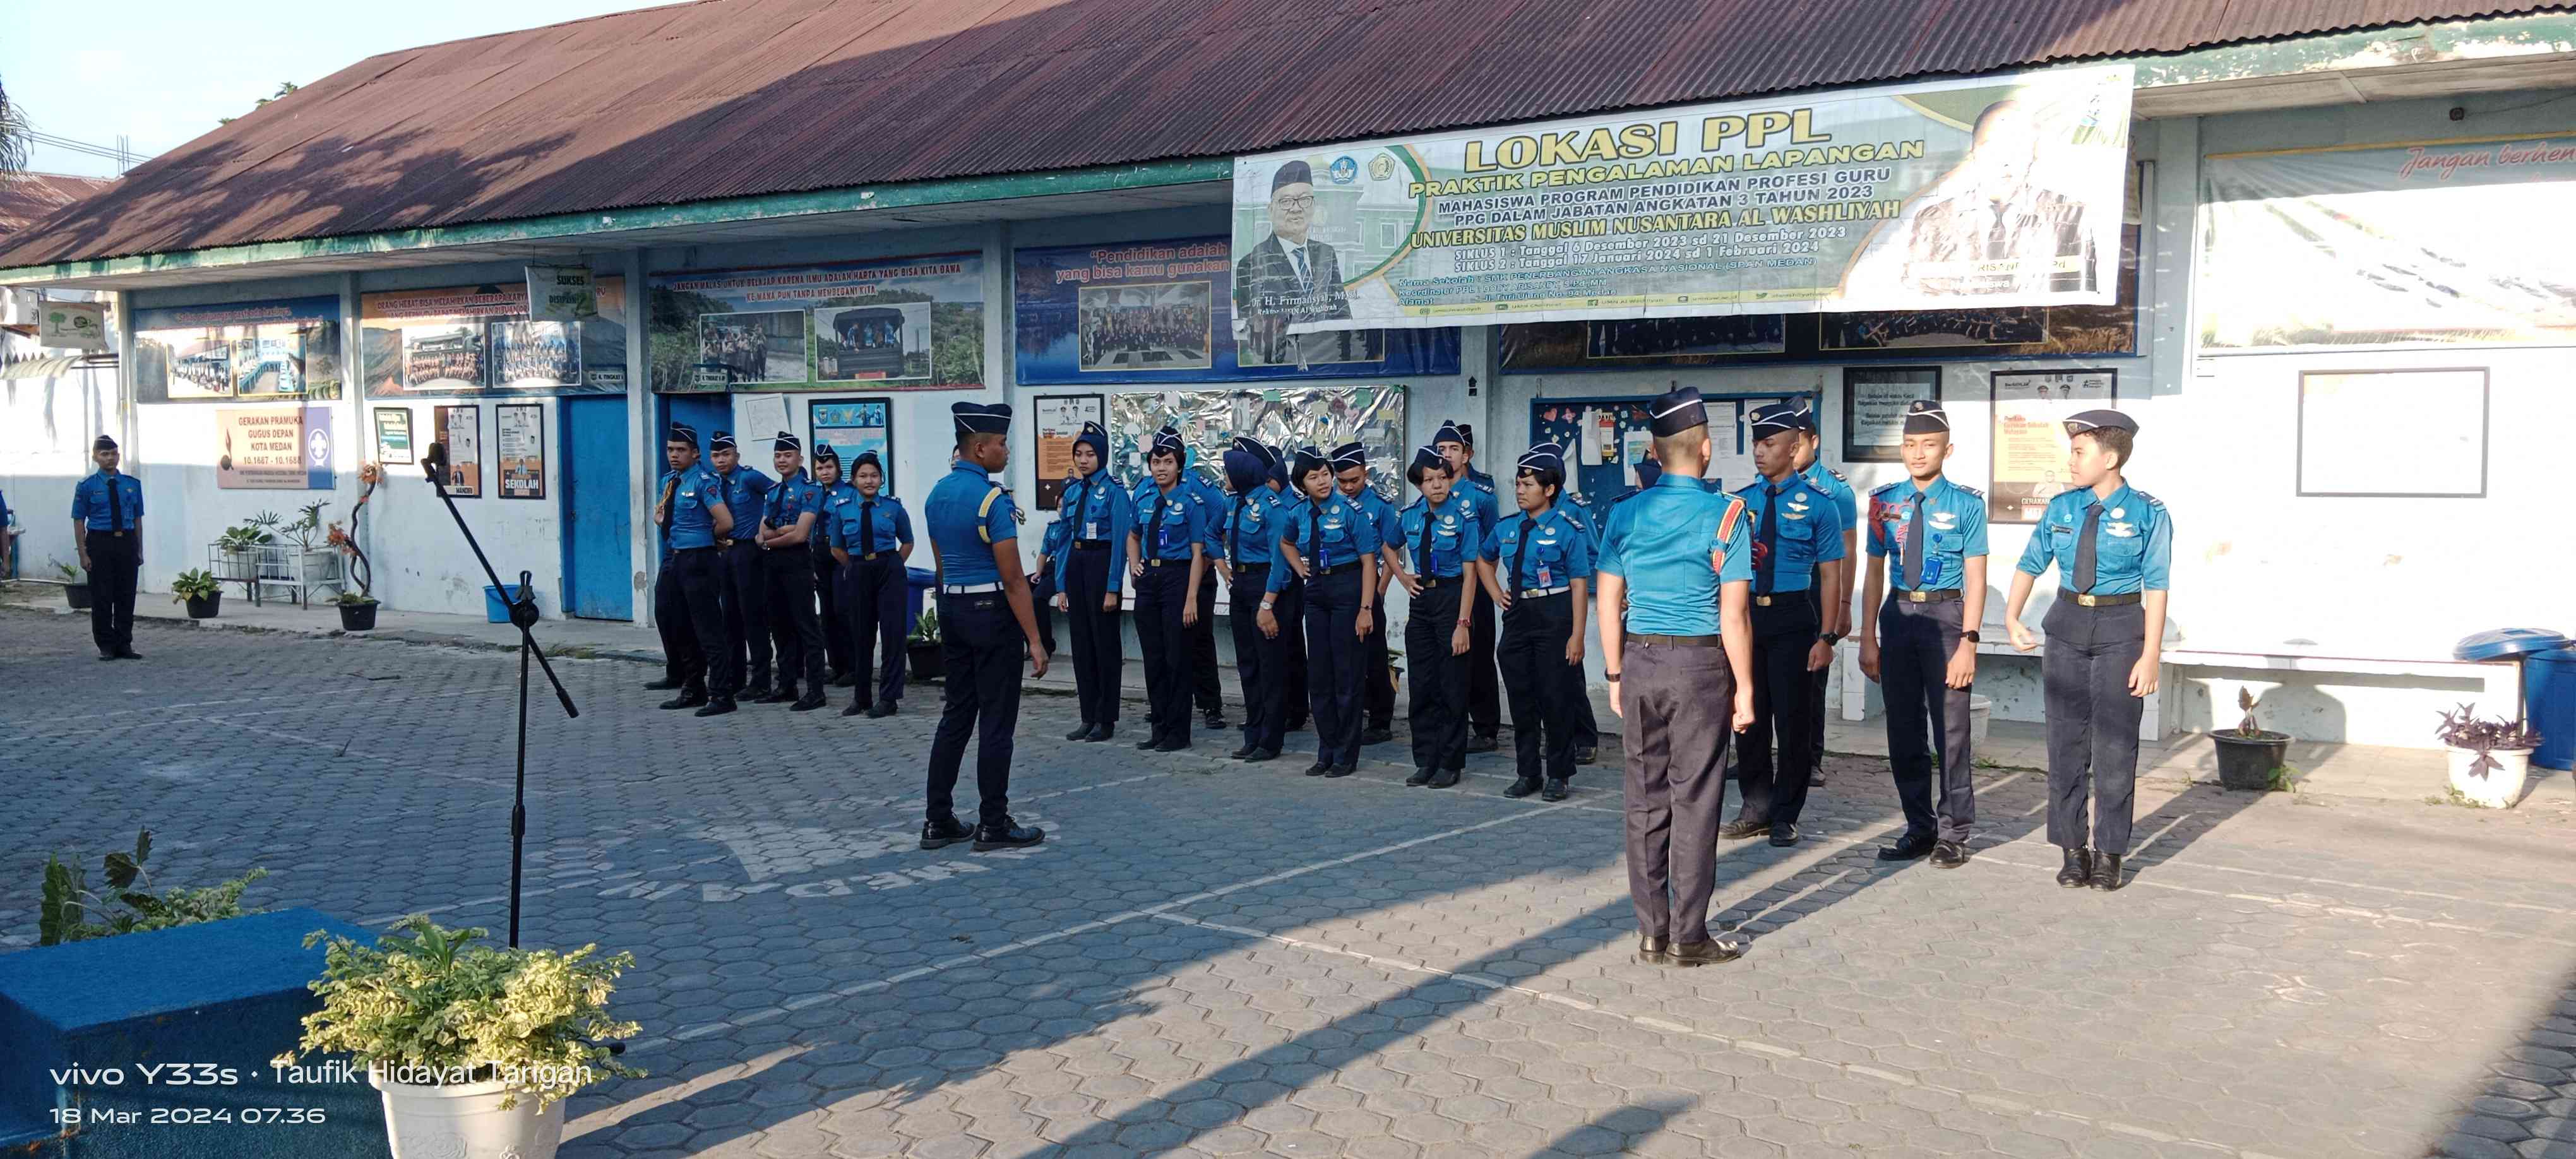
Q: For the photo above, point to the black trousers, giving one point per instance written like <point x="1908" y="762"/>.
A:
<point x="1437" y="712"/>
<point x="1098" y="652"/>
<point x="1675" y="785"/>
<point x="873" y="596"/>
<point x="1379" y="691"/>
<point x="2092" y="722"/>
<point x="836" y="623"/>
<point x="1042" y="593"/>
<point x="1927" y="720"/>
<point x="1166" y="644"/>
<point x="1261" y="661"/>
<point x="1542" y="687"/>
<point x="1783" y="698"/>
<point x="1484" y="698"/>
<point x="1295" y="697"/>
<point x="982" y="646"/>
<point x="114" y="562"/>
<point x="1333" y="648"/>
<point x="1586" y="727"/>
<point x="1819" y="707"/>
<point x="1203" y="680"/>
<point x="688" y="609"/>
<point x="746" y="605"/>
<point x="799" y="632"/>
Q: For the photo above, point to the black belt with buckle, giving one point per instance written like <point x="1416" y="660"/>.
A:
<point x="871" y="556"/>
<point x="1433" y="581"/>
<point x="1920" y="596"/>
<point x="1675" y="641"/>
<point x="1336" y="569"/>
<point x="1764" y="601"/>
<point x="1251" y="569"/>
<point x="1091" y="544"/>
<point x="2089" y="600"/>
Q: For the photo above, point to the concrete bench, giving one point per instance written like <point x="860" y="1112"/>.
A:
<point x="121" y="1047"/>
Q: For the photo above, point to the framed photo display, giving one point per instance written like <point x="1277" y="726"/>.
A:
<point x="520" y="429"/>
<point x="1059" y="419"/>
<point x="461" y="428"/>
<point x="393" y="436"/>
<point x="1874" y="402"/>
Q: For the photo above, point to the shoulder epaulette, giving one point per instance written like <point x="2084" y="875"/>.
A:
<point x="1838" y="476"/>
<point x="1884" y="488"/>
<point x="2152" y="501"/>
<point x="1726" y="522"/>
<point x="1970" y="490"/>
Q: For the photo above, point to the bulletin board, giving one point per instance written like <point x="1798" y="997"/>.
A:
<point x="1605" y="437"/>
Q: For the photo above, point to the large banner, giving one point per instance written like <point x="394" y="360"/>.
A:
<point x="1989" y="192"/>
<point x="900" y="324"/>
<point x="277" y="349"/>
<point x="1164" y="311"/>
<point x="2449" y="242"/>
<point x="459" y="340"/>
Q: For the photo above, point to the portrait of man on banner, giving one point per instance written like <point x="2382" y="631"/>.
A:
<point x="1998" y="232"/>
<point x="1289" y="278"/>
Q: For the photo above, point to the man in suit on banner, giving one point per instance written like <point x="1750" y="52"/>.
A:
<point x="1289" y="278"/>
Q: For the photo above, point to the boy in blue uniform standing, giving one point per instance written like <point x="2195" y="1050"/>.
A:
<point x="1538" y="569"/>
<point x="1089" y="575"/>
<point x="107" y="524"/>
<point x="1438" y="536"/>
<point x="1794" y="531"/>
<point x="1167" y="554"/>
<point x="1457" y="442"/>
<point x="1831" y="587"/>
<point x="688" y="596"/>
<point x="1676" y="563"/>
<point x="746" y="590"/>
<point x="986" y="624"/>
<point x="871" y="539"/>
<point x="1377" y="689"/>
<point x="795" y="506"/>
<point x="1328" y="542"/>
<point x="1249" y="535"/>
<point x="2113" y="548"/>
<point x="1922" y="644"/>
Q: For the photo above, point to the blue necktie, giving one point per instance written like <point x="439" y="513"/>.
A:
<point x="2084" y="548"/>
<point x="1914" y="577"/>
<point x="1769" y="553"/>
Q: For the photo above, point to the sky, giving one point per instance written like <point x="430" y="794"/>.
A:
<point x="168" y="69"/>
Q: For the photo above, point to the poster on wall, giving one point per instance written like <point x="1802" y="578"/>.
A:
<point x="1605" y="439"/>
<point x="287" y="348"/>
<point x="520" y="430"/>
<point x="71" y="325"/>
<point x="461" y="428"/>
<point x="282" y="446"/>
<point x="1289" y="416"/>
<point x="852" y="426"/>
<point x="1871" y="199"/>
<point x="561" y="294"/>
<point x="2030" y="443"/>
<point x="393" y="436"/>
<point x="1167" y="311"/>
<point x="472" y="339"/>
<point x="2389" y="244"/>
<point x="1055" y="420"/>
<point x="2349" y="419"/>
<point x="912" y="323"/>
<point x="1874" y="402"/>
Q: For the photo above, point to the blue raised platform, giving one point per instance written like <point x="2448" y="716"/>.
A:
<point x="81" y="1022"/>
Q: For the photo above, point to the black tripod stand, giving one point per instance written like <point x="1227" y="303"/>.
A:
<point x="523" y="614"/>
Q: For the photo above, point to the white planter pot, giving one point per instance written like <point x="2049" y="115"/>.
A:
<point x="467" y="1122"/>
<point x="2500" y="787"/>
<point x="1981" y="714"/>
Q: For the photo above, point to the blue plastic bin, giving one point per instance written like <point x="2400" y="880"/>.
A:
<point x="2549" y="695"/>
<point x="496" y="604"/>
<point x="919" y="582"/>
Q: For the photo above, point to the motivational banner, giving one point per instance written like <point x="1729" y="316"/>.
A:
<point x="282" y="348"/>
<point x="285" y="447"/>
<point x="471" y="339"/>
<point x="1167" y="311"/>
<point x="1989" y="192"/>
<point x="901" y="324"/>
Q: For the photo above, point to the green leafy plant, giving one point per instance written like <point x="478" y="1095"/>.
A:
<point x="197" y="584"/>
<point x="67" y="904"/>
<point x="305" y="531"/>
<point x="2461" y="729"/>
<point x="247" y="536"/>
<point x="428" y="1003"/>
<point x="70" y="574"/>
<point x="926" y="629"/>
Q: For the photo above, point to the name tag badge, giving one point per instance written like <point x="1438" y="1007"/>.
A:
<point x="1545" y="577"/>
<point x="1091" y="531"/>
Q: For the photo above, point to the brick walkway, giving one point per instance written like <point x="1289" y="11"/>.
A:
<point x="1208" y="958"/>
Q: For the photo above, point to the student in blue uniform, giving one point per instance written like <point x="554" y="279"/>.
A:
<point x="1921" y="645"/>
<point x="1832" y="586"/>
<point x="1291" y="609"/>
<point x="1204" y="687"/>
<point x="1248" y="534"/>
<point x="786" y="532"/>
<point x="1088" y="579"/>
<point x="107" y="527"/>
<point x="2113" y="548"/>
<point x="986" y="624"/>
<point x="1433" y="555"/>
<point x="1457" y="442"/>
<point x="871" y="541"/>
<point x="1537" y="566"/>
<point x="1675" y="568"/>
<point x="1167" y="551"/>
<point x="1794" y="531"/>
<point x="746" y="590"/>
<point x="827" y="571"/>
<point x="1377" y="687"/>
<point x="688" y="596"/>
<point x="1329" y="542"/>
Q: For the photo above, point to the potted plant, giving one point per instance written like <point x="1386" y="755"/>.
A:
<point x="67" y="903"/>
<point x="2248" y="753"/>
<point x="201" y="591"/>
<point x="474" y="1047"/>
<point x="75" y="585"/>
<point x="313" y="553"/>
<point x="237" y="552"/>
<point x="921" y="649"/>
<point x="2489" y="758"/>
<point x="358" y="608"/>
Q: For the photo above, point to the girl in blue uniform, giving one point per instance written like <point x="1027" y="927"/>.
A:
<point x="1330" y="543"/>
<point x="1538" y="569"/>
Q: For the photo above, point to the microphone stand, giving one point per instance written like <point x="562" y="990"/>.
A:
<point x="523" y="615"/>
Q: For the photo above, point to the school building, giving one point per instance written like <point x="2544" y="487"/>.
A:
<point x="2337" y="291"/>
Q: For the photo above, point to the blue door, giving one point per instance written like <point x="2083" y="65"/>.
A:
<point x="599" y="579"/>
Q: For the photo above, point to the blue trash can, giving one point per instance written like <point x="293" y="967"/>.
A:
<point x="921" y="579"/>
<point x="2549" y="695"/>
<point x="496" y="603"/>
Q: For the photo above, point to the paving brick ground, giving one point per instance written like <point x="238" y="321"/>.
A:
<point x="1208" y="958"/>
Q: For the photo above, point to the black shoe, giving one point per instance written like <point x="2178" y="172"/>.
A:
<point x="1419" y="778"/>
<point x="1521" y="787"/>
<point x="881" y="710"/>
<point x="1556" y="790"/>
<point x="1949" y="855"/>
<point x="1339" y="771"/>
<point x="1715" y="951"/>
<point x="856" y="707"/>
<point x="1654" y="950"/>
<point x="943" y="833"/>
<point x="1297" y="725"/>
<point x="127" y="652"/>
<point x="1445" y="779"/>
<point x="1319" y="768"/>
<point x="1816" y="780"/>
<point x="1907" y="848"/>
<point x="2078" y="870"/>
<point x="1081" y="731"/>
<point x="1483" y="744"/>
<point x="1741" y="828"/>
<point x="1172" y="744"/>
<point x="1259" y="755"/>
<point x="754" y="691"/>
<point x="1784" y="834"/>
<point x="716" y="706"/>
<point x="666" y="684"/>
<point x="1150" y="743"/>
<point x="1241" y="751"/>
<point x="688" y="698"/>
<point x="1006" y="834"/>
<point x="107" y="653"/>
<point x="1586" y="755"/>
<point x="785" y="694"/>
<point x="1377" y="736"/>
<point x="2106" y="871"/>
<point x="1215" y="720"/>
<point x="1101" y="732"/>
<point x="845" y="680"/>
<point x="808" y="702"/>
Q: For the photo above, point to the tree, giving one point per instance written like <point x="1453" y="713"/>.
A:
<point x="14" y="132"/>
<point x="283" y="87"/>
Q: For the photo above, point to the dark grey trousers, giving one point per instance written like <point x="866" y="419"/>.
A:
<point x="2092" y="722"/>
<point x="1927" y="720"/>
<point x="1678" y="702"/>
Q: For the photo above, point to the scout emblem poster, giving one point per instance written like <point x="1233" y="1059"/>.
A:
<point x="282" y="447"/>
<point x="912" y="323"/>
<point x="1989" y="192"/>
<point x="2030" y="441"/>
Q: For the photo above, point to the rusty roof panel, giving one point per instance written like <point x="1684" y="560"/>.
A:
<point x="723" y="98"/>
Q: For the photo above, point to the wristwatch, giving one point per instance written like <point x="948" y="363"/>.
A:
<point x="1829" y="638"/>
<point x="1612" y="677"/>
<point x="1971" y="636"/>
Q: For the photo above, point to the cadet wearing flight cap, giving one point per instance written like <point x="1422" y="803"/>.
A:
<point x="795" y="507"/>
<point x="1377" y="683"/>
<point x="2113" y="547"/>
<point x="688" y="596"/>
<point x="1538" y="568"/>
<point x="1438" y="537"/>
<point x="986" y="624"/>
<point x="1794" y="529"/>
<point x="1484" y="697"/>
<point x="1249" y="536"/>
<point x="107" y="525"/>
<point x="1922" y="644"/>
<point x="1329" y="542"/>
<point x="745" y="492"/>
<point x="1169" y="551"/>
<point x="1089" y="575"/>
<point x="1675" y="564"/>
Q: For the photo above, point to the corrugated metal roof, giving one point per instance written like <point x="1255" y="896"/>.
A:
<point x="31" y="197"/>
<point x="724" y="98"/>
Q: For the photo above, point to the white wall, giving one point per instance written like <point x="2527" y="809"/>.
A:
<point x="46" y="426"/>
